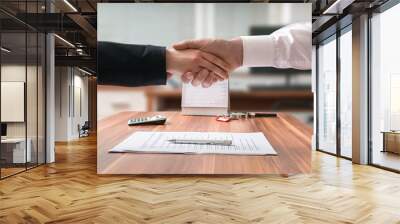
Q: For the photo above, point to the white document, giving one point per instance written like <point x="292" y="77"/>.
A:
<point x="253" y="143"/>
<point x="197" y="100"/>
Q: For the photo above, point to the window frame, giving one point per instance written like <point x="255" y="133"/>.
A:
<point x="346" y="27"/>
<point x="29" y="29"/>
<point x="378" y="10"/>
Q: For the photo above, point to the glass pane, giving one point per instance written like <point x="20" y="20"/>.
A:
<point x="41" y="98"/>
<point x="327" y="97"/>
<point x="345" y="94"/>
<point x="13" y="87"/>
<point x="32" y="96"/>
<point x="385" y="84"/>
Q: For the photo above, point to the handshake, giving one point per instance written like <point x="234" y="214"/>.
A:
<point x="204" y="61"/>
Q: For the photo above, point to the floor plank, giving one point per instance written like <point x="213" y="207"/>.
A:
<point x="70" y="191"/>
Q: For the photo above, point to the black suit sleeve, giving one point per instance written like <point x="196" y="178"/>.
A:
<point x="130" y="65"/>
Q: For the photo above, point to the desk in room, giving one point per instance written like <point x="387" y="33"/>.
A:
<point x="391" y="141"/>
<point x="290" y="138"/>
<point x="17" y="154"/>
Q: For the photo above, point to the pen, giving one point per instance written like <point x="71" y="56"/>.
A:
<point x="201" y="142"/>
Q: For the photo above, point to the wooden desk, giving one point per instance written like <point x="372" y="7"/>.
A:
<point x="262" y="100"/>
<point x="13" y="151"/>
<point x="289" y="137"/>
<point x="391" y="141"/>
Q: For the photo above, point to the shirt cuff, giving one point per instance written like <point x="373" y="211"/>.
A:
<point x="258" y="51"/>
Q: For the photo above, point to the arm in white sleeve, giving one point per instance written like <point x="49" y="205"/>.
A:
<point x="288" y="47"/>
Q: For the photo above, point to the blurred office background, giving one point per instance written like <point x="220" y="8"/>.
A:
<point x="251" y="89"/>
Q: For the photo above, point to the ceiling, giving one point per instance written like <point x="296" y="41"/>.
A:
<point x="332" y="15"/>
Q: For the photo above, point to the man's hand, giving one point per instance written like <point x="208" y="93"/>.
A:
<point x="230" y="51"/>
<point x="195" y="61"/>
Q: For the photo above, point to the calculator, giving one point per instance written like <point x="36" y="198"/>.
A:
<point x="158" y="119"/>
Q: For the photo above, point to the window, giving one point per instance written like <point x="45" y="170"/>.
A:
<point x="327" y="96"/>
<point x="346" y="92"/>
<point x="385" y="89"/>
<point x="15" y="147"/>
<point x="22" y="107"/>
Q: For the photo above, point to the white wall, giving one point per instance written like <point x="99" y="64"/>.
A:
<point x="79" y="118"/>
<point x="15" y="72"/>
<point x="62" y="80"/>
<point x="13" y="101"/>
<point x="33" y="126"/>
<point x="68" y="81"/>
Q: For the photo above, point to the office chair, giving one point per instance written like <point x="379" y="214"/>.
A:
<point x="84" y="130"/>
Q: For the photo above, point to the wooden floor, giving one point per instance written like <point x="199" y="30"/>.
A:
<point x="11" y="170"/>
<point x="70" y="191"/>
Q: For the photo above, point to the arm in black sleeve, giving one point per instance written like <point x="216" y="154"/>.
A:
<point x="130" y="65"/>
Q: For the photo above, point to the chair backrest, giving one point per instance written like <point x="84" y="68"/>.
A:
<point x="86" y="125"/>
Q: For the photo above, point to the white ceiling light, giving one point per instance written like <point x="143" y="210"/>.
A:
<point x="84" y="71"/>
<point x="5" y="50"/>
<point x="70" y="5"/>
<point x="65" y="41"/>
<point x="337" y="7"/>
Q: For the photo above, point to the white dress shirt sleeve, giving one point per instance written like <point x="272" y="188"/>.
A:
<point x="288" y="47"/>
